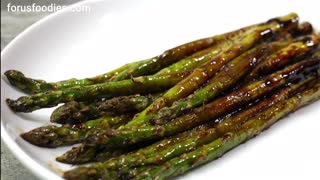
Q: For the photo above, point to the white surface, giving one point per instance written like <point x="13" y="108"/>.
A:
<point x="71" y="44"/>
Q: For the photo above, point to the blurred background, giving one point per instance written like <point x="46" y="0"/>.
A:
<point x="12" y="23"/>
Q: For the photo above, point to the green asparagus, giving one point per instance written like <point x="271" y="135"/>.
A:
<point x="54" y="136"/>
<point x="294" y="51"/>
<point x="83" y="154"/>
<point x="201" y="47"/>
<point x="198" y="116"/>
<point x="192" y="62"/>
<point x="190" y="104"/>
<point x="234" y="71"/>
<point x="173" y="146"/>
<point x="187" y="141"/>
<point x="207" y="70"/>
<point x="31" y="86"/>
<point x="143" y="84"/>
<point x="139" y="68"/>
<point x="77" y="112"/>
<point x="220" y="146"/>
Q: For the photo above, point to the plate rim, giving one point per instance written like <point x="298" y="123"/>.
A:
<point x="28" y="162"/>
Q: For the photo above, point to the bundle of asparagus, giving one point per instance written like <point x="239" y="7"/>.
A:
<point x="160" y="117"/>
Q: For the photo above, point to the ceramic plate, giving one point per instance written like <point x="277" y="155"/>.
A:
<point x="82" y="44"/>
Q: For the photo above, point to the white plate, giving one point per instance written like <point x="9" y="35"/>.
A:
<point x="69" y="44"/>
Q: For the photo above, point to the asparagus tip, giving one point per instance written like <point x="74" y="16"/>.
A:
<point x="14" y="76"/>
<point x="65" y="114"/>
<point x="14" y="105"/>
<point x="22" y="104"/>
<point x="19" y="80"/>
<point x="78" y="155"/>
<point x="42" y="136"/>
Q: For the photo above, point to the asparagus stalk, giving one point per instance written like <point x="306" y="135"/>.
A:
<point x="305" y="28"/>
<point x="168" y="57"/>
<point x="191" y="62"/>
<point x="167" y="148"/>
<point x="82" y="154"/>
<point x="225" y="78"/>
<point x="295" y="50"/>
<point x="53" y="136"/>
<point x="173" y="146"/>
<point x="31" y="86"/>
<point x="125" y="87"/>
<point x="220" y="146"/>
<point x="223" y="105"/>
<point x="187" y="141"/>
<point x="236" y="69"/>
<point x="207" y="70"/>
<point x="201" y="57"/>
<point x="139" y="68"/>
<point x="197" y="59"/>
<point x="77" y="112"/>
<point x="143" y="84"/>
<point x="178" y="56"/>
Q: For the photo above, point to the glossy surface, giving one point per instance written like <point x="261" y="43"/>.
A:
<point x="185" y="142"/>
<point x="56" y="136"/>
<point x="225" y="78"/>
<point x="215" y="109"/>
<point x="99" y="37"/>
<point x="217" y="148"/>
<point x="141" y="84"/>
<point x="201" y="74"/>
<point x="76" y="112"/>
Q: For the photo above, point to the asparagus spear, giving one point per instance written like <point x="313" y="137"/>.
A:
<point x="207" y="70"/>
<point x="143" y="84"/>
<point x="173" y="146"/>
<point x="53" y="136"/>
<point x="151" y="65"/>
<point x="223" y="105"/>
<point x="227" y="122"/>
<point x="220" y="146"/>
<point x="167" y="146"/>
<point x="77" y="112"/>
<point x="168" y="57"/>
<point x="305" y="28"/>
<point x="194" y="61"/>
<point x="139" y="68"/>
<point x="191" y="62"/>
<point x="295" y="50"/>
<point x="28" y="104"/>
<point x="180" y="53"/>
<point x="82" y="154"/>
<point x="31" y="86"/>
<point x="233" y="71"/>
<point x="201" y="57"/>
<point x="187" y="141"/>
